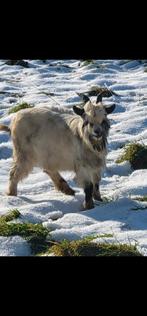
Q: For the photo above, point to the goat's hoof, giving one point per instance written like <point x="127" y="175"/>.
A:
<point x="97" y="198"/>
<point x="88" y="205"/>
<point x="11" y="193"/>
<point x="66" y="189"/>
<point x="69" y="191"/>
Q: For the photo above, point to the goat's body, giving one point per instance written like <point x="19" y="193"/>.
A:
<point x="55" y="142"/>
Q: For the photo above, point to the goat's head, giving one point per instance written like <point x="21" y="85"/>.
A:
<point x="94" y="115"/>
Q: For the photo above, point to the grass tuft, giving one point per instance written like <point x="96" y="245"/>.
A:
<point x="87" y="62"/>
<point x="10" y="216"/>
<point x="141" y="198"/>
<point x="19" y="107"/>
<point x="136" y="154"/>
<point x="85" y="247"/>
<point x="35" y="234"/>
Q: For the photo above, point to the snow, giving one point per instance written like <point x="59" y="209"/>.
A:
<point x="14" y="246"/>
<point x="120" y="214"/>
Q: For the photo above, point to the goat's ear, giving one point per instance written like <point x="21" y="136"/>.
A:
<point x="78" y="110"/>
<point x="110" y="109"/>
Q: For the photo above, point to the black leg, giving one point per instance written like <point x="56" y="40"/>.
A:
<point x="88" y="204"/>
<point x="96" y="192"/>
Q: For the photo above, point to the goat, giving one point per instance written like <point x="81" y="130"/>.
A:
<point x="58" y="142"/>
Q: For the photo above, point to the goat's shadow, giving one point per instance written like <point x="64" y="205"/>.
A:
<point x="30" y="201"/>
<point x="111" y="211"/>
<point x="58" y="205"/>
<point x="132" y="217"/>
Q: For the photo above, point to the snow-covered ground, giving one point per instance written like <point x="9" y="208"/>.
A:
<point x="37" y="200"/>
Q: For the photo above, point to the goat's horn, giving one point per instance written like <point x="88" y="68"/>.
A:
<point x="99" y="97"/>
<point x="84" y="97"/>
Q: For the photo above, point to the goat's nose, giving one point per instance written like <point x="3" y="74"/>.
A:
<point x="98" y="131"/>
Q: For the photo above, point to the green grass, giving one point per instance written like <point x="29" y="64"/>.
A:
<point x="141" y="198"/>
<point x="136" y="154"/>
<point x="87" y="62"/>
<point x="104" y="236"/>
<point x="85" y="247"/>
<point x="35" y="234"/>
<point x="10" y="216"/>
<point x="19" y="107"/>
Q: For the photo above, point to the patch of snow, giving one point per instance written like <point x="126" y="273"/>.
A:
<point x="14" y="246"/>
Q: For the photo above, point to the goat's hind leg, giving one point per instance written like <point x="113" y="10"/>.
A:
<point x="19" y="171"/>
<point x="59" y="182"/>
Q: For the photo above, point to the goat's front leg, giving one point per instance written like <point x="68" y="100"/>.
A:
<point x="84" y="180"/>
<point x="96" y="188"/>
<point x="88" y="203"/>
<point x="96" y="193"/>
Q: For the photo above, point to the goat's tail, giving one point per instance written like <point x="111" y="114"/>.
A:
<point x="5" y="128"/>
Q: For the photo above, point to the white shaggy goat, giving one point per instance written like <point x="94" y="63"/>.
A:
<point x="57" y="142"/>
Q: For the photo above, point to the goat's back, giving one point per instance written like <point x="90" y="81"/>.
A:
<point x="46" y="135"/>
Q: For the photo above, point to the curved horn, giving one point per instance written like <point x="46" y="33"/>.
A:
<point x="99" y="97"/>
<point x="84" y="97"/>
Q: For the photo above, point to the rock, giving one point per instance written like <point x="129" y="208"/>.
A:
<point x="21" y="62"/>
<point x="95" y="90"/>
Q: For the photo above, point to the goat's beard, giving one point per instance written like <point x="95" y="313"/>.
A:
<point x="98" y="143"/>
